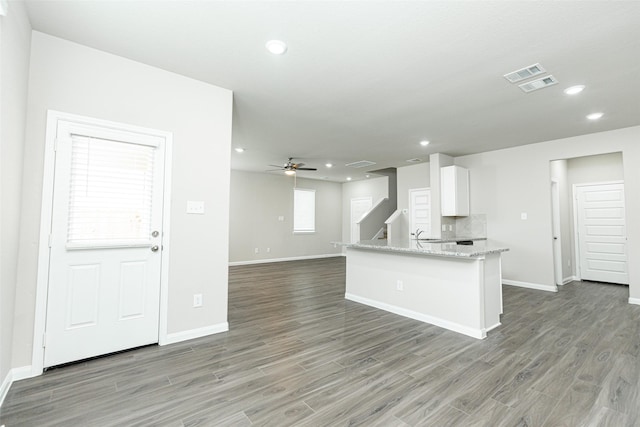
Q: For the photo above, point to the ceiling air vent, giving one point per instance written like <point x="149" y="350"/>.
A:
<point x="360" y="164"/>
<point x="415" y="160"/>
<point x="524" y="73"/>
<point x="538" y="84"/>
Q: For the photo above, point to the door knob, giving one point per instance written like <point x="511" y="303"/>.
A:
<point x="155" y="248"/>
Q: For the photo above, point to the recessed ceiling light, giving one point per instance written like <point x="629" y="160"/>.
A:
<point x="367" y="176"/>
<point x="348" y="178"/>
<point x="574" y="89"/>
<point x="424" y="142"/>
<point x="329" y="165"/>
<point x="239" y="150"/>
<point x="277" y="47"/>
<point x="594" y="116"/>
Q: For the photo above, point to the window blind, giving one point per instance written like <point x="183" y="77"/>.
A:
<point x="110" y="194"/>
<point x="304" y="210"/>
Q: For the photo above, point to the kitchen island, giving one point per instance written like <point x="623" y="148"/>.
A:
<point x="457" y="287"/>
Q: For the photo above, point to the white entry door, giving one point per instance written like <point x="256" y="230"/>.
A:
<point x="420" y="211"/>
<point x="105" y="261"/>
<point x="359" y="207"/>
<point x="602" y="242"/>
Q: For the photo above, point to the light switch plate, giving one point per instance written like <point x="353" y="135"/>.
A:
<point x="195" y="207"/>
<point x="523" y="215"/>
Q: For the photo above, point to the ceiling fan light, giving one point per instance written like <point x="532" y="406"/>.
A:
<point x="424" y="142"/>
<point x="290" y="172"/>
<point x="595" y="116"/>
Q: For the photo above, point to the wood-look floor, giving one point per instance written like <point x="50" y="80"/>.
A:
<point x="298" y="353"/>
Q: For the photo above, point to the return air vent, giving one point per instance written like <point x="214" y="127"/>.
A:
<point x="538" y="84"/>
<point x="360" y="164"/>
<point x="524" y="73"/>
<point x="415" y="160"/>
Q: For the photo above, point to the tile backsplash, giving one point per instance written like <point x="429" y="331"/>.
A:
<point x="471" y="226"/>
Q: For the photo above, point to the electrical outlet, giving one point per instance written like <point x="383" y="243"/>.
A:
<point x="523" y="216"/>
<point x="399" y="285"/>
<point x="256" y="250"/>
<point x="197" y="300"/>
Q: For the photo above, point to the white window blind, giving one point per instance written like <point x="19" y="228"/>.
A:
<point x="304" y="210"/>
<point x="110" y="193"/>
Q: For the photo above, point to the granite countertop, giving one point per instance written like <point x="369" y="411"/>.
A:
<point x="449" y="249"/>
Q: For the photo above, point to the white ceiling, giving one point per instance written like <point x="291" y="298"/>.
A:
<point x="369" y="80"/>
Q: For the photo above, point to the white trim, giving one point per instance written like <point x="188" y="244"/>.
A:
<point x="15" y="374"/>
<point x="163" y="329"/>
<point x="194" y="333"/>
<point x="294" y="258"/>
<point x="5" y="386"/>
<point x="456" y="327"/>
<point x="537" y="286"/>
<point x="53" y="117"/>
<point x="635" y="301"/>
<point x="569" y="279"/>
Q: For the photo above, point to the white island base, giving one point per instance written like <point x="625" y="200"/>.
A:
<point x="462" y="294"/>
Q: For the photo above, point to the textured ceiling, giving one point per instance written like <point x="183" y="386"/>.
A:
<point x="369" y="80"/>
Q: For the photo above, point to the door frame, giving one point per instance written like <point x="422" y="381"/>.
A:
<point x="576" y="240"/>
<point x="46" y="212"/>
<point x="556" y="232"/>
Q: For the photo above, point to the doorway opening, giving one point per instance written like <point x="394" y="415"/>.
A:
<point x="588" y="235"/>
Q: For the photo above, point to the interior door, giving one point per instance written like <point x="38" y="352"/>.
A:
<point x="359" y="207"/>
<point x="557" y="241"/>
<point x="105" y="263"/>
<point x="420" y="211"/>
<point x="602" y="242"/>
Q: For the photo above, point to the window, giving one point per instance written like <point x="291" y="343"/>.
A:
<point x="110" y="193"/>
<point x="304" y="210"/>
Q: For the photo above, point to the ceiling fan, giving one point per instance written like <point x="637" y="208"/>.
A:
<point x="290" y="168"/>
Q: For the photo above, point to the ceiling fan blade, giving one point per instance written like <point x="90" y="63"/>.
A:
<point x="297" y="165"/>
<point x="276" y="166"/>
<point x="306" y="169"/>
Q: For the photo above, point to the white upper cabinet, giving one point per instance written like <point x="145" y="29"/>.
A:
<point x="454" y="191"/>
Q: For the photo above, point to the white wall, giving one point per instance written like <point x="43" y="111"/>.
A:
<point x="15" y="40"/>
<point x="376" y="188"/>
<point x="604" y="167"/>
<point x="506" y="183"/>
<point x="75" y="79"/>
<point x="410" y="177"/>
<point x="258" y="199"/>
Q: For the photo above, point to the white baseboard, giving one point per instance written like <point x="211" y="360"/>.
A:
<point x="194" y="333"/>
<point x="15" y="374"/>
<point x="537" y="286"/>
<point x="635" y="301"/>
<point x="570" y="279"/>
<point x="465" y="330"/>
<point x="295" y="258"/>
